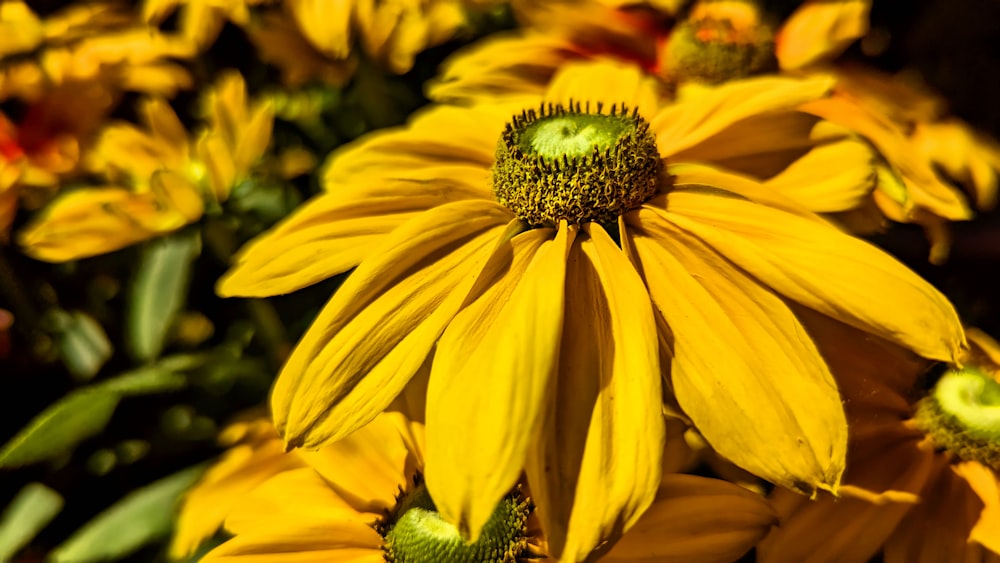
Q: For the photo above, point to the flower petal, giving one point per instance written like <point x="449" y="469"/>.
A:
<point x="984" y="482"/>
<point x="708" y="179"/>
<point x="295" y="516"/>
<point x="331" y="234"/>
<point x="731" y="337"/>
<point x="92" y="221"/>
<point x="938" y="529"/>
<point x="925" y="188"/>
<point x="255" y="136"/>
<point x="820" y="30"/>
<point x="367" y="468"/>
<point x="875" y="377"/>
<point x="779" y="137"/>
<point x="490" y="375"/>
<point x="327" y="25"/>
<point x="831" y="177"/>
<point x="591" y="473"/>
<point x="439" y="136"/>
<point x="514" y="64"/>
<point x="380" y="325"/>
<point x="696" y="520"/>
<point x="607" y="81"/>
<point x="824" y="269"/>
<point x="688" y="122"/>
<point x="850" y="529"/>
<point x="237" y="472"/>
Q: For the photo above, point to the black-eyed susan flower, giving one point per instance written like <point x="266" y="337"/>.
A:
<point x="548" y="262"/>
<point x="922" y="484"/>
<point x="159" y="179"/>
<point x="367" y="501"/>
<point x="254" y="454"/>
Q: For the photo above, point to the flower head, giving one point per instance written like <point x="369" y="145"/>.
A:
<point x="546" y="335"/>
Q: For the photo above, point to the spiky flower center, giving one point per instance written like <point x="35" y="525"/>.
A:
<point x="720" y="41"/>
<point x="962" y="415"/>
<point x="416" y="533"/>
<point x="567" y="163"/>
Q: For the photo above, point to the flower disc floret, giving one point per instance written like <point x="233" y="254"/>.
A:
<point x="962" y="415"/>
<point x="566" y="163"/>
<point x="415" y="532"/>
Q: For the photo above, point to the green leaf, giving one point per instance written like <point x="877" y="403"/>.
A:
<point x="83" y="345"/>
<point x="157" y="378"/>
<point x="85" y="412"/>
<point x="34" y="506"/>
<point x="70" y="420"/>
<point x="158" y="292"/>
<point x="143" y="516"/>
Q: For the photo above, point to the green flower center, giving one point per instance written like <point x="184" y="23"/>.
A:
<point x="714" y="50"/>
<point x="416" y="533"/>
<point x="562" y="163"/>
<point x="962" y="415"/>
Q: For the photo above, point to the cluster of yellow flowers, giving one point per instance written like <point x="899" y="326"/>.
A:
<point x="607" y="296"/>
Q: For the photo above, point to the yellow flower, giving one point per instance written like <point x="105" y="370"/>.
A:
<point x="95" y="41"/>
<point x="533" y="313"/>
<point x="923" y="480"/>
<point x="159" y="179"/>
<point x="255" y="455"/>
<point x="363" y="498"/>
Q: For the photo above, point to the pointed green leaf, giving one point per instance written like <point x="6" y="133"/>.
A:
<point x="34" y="506"/>
<point x="157" y="378"/>
<point x="84" y="413"/>
<point x="158" y="291"/>
<point x="143" y="516"/>
<point x="70" y="420"/>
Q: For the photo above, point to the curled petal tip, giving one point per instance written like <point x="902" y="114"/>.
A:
<point x="293" y="442"/>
